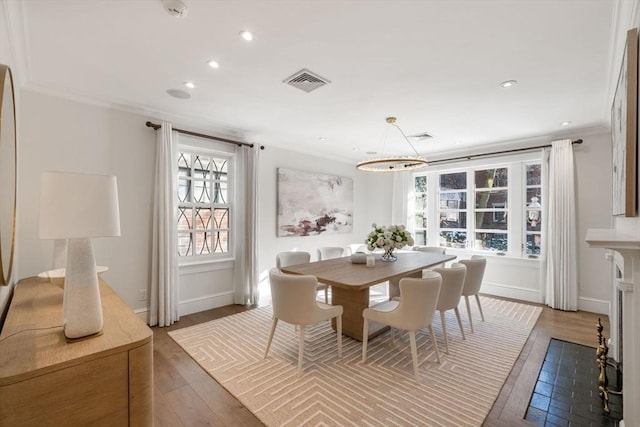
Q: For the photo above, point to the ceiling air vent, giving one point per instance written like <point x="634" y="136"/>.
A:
<point x="306" y="80"/>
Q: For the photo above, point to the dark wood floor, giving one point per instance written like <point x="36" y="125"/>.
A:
<point x="185" y="395"/>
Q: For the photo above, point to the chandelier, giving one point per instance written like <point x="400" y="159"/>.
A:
<point x="393" y="163"/>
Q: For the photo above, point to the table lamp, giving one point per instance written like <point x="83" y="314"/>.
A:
<point x="78" y="207"/>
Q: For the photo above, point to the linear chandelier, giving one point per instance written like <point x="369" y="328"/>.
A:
<point x="394" y="163"/>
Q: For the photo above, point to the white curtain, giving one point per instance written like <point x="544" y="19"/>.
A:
<point x="164" y="263"/>
<point x="401" y="190"/>
<point x="246" y="265"/>
<point x="561" y="256"/>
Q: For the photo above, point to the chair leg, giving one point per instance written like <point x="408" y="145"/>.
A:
<point x="466" y="300"/>
<point x="365" y="338"/>
<point x="301" y="350"/>
<point x="414" y="353"/>
<point x="339" y="333"/>
<point x="273" y="329"/>
<point x="435" y="344"/>
<point x="480" y="307"/>
<point x="326" y="295"/>
<point x="444" y="332"/>
<point x="459" y="321"/>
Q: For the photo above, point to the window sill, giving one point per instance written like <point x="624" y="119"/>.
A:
<point x="493" y="255"/>
<point x="204" y="265"/>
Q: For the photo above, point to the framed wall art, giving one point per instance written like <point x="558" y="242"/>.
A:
<point x="312" y="203"/>
<point x="624" y="131"/>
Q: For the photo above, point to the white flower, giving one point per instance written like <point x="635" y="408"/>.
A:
<point x="388" y="237"/>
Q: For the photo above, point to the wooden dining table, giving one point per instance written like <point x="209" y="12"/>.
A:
<point x="350" y="282"/>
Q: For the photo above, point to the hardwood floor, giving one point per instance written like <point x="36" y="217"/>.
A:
<point x="185" y="395"/>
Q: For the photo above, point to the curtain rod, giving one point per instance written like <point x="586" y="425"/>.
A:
<point x="201" y="135"/>
<point x="495" y="153"/>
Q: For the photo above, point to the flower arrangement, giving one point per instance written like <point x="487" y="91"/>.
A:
<point x="388" y="238"/>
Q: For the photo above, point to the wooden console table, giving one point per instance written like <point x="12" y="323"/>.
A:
<point x="45" y="380"/>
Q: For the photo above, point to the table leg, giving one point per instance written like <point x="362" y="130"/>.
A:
<point x="353" y="302"/>
<point x="394" y="284"/>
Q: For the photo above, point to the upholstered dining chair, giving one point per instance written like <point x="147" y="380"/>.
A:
<point x="449" y="298"/>
<point x="285" y="259"/>
<point x="473" y="281"/>
<point x="294" y="302"/>
<point x="433" y="250"/>
<point x="329" y="252"/>
<point x="412" y="312"/>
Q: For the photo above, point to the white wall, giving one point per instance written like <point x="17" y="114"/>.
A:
<point x="369" y="190"/>
<point x="66" y="135"/>
<point x="594" y="203"/>
<point x="61" y="134"/>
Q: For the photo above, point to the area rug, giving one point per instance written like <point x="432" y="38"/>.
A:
<point x="459" y="391"/>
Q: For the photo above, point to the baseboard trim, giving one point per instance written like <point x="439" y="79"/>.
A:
<point x="195" y="305"/>
<point x="593" y="305"/>
<point x="514" y="292"/>
<point x="206" y="302"/>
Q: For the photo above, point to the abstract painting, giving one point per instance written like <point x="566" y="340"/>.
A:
<point x="310" y="204"/>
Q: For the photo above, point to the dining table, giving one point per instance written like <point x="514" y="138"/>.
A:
<point x="350" y="282"/>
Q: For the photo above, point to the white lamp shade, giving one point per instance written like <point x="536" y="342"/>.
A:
<point x="75" y="205"/>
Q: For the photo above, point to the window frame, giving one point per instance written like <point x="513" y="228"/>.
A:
<point x="198" y="146"/>
<point x="516" y="202"/>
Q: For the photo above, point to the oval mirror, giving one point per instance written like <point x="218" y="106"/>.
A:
<point x="8" y="160"/>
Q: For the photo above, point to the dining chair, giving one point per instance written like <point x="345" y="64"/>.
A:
<point x="432" y="249"/>
<point x="449" y="298"/>
<point x="412" y="312"/>
<point x="285" y="259"/>
<point x="294" y="302"/>
<point x="329" y="252"/>
<point x="473" y="281"/>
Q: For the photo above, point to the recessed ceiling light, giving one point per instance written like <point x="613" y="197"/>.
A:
<point x="355" y="149"/>
<point x="322" y="138"/>
<point x="508" y="83"/>
<point x="190" y="85"/>
<point x="567" y="123"/>
<point x="213" y="64"/>
<point x="177" y="93"/>
<point x="247" y="35"/>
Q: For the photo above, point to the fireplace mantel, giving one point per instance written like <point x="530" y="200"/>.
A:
<point x="628" y="246"/>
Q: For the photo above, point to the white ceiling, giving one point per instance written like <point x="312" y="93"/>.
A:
<point x="435" y="64"/>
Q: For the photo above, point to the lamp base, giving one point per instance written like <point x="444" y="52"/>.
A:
<point x="82" y="305"/>
<point x="88" y="337"/>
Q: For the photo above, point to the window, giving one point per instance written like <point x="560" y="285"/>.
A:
<point x="481" y="207"/>
<point x="453" y="209"/>
<point x="491" y="194"/>
<point x="420" y="234"/>
<point x="533" y="217"/>
<point x="204" y="207"/>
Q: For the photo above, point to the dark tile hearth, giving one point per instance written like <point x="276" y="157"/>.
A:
<point x="566" y="393"/>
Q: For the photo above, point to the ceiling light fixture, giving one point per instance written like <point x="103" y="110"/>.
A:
<point x="393" y="163"/>
<point x="567" y="123"/>
<point x="508" y="83"/>
<point x="213" y="64"/>
<point x="190" y="85"/>
<point x="246" y="35"/>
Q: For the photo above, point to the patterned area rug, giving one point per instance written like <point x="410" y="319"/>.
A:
<point x="382" y="392"/>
